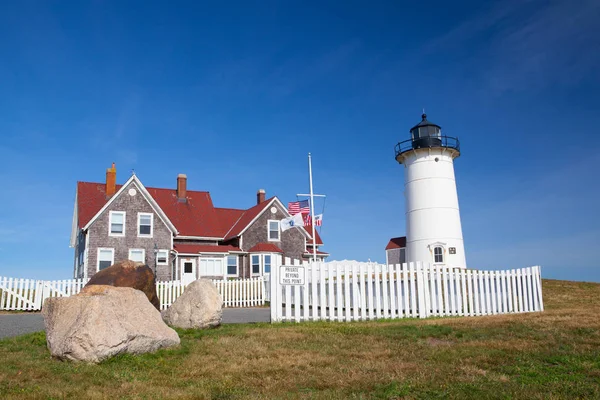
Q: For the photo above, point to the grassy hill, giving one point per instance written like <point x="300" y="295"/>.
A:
<point x="554" y="354"/>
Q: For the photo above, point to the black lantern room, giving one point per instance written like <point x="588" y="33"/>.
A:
<point x="425" y="135"/>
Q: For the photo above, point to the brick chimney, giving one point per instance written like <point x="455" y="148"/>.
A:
<point x="111" y="180"/>
<point x="181" y="187"/>
<point x="260" y="196"/>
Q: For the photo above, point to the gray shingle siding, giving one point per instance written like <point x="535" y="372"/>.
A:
<point x="131" y="205"/>
<point x="393" y="256"/>
<point x="292" y="241"/>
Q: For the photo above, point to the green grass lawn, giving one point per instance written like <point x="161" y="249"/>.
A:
<point x="555" y="354"/>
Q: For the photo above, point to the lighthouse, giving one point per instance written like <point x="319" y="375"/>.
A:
<point x="433" y="229"/>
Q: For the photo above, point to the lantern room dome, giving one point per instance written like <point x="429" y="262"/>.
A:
<point x="426" y="134"/>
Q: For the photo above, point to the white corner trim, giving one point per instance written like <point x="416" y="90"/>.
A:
<point x="74" y="230"/>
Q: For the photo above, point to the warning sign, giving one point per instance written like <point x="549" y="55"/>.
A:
<point x="291" y="275"/>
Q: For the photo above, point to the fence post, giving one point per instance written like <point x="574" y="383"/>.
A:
<point x="422" y="312"/>
<point x="275" y="292"/>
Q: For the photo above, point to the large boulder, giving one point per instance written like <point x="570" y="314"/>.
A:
<point x="129" y="274"/>
<point x="103" y="321"/>
<point x="199" y="306"/>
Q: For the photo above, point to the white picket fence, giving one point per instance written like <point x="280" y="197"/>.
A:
<point x="235" y="293"/>
<point x="352" y="291"/>
<point x="29" y="294"/>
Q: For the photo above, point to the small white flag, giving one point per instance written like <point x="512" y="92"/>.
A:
<point x="290" y="222"/>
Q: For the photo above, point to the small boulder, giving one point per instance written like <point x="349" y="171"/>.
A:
<point x="129" y="274"/>
<point x="103" y="321"/>
<point x="199" y="306"/>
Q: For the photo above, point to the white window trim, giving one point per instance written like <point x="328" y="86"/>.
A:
<point x="262" y="267"/>
<point x="143" y="254"/>
<point x="216" y="258"/>
<point x="237" y="265"/>
<point x="432" y="247"/>
<point x="166" y="259"/>
<point x="252" y="273"/>
<point x="112" y="251"/>
<point x="261" y="263"/>
<point x="110" y="214"/>
<point x="139" y="219"/>
<point x="269" y="230"/>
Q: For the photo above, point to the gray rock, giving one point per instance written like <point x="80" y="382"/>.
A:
<point x="103" y="321"/>
<point x="199" y="306"/>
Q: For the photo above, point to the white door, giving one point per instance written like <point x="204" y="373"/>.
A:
<point x="188" y="271"/>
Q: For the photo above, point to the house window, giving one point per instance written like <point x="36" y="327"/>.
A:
<point x="106" y="258"/>
<point x="255" y="264"/>
<point x="162" y="257"/>
<point x="273" y="230"/>
<point x="117" y="223"/>
<point x="438" y="254"/>
<point x="211" y="267"/>
<point x="145" y="224"/>
<point x="138" y="255"/>
<point x="232" y="265"/>
<point x="261" y="264"/>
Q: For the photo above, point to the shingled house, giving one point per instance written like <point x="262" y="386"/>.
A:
<point x="179" y="232"/>
<point x="395" y="251"/>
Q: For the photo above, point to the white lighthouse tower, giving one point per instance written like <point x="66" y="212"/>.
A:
<point x="433" y="229"/>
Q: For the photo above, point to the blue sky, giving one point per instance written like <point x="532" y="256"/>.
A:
<point x="236" y="95"/>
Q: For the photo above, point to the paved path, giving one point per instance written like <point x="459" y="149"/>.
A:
<point x="19" y="324"/>
<point x="22" y="323"/>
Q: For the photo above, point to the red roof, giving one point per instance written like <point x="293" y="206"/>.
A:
<point x="310" y="241"/>
<point x="266" y="247"/>
<point x="246" y="218"/>
<point x="203" y="248"/>
<point x="197" y="216"/>
<point x="194" y="217"/>
<point x="91" y="197"/>
<point x="396" y="243"/>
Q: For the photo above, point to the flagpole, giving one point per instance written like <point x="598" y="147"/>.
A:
<point x="312" y="208"/>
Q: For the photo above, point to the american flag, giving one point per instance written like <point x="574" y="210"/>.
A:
<point x="318" y="220"/>
<point x="295" y="207"/>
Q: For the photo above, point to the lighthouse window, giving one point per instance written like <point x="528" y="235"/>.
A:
<point x="438" y="255"/>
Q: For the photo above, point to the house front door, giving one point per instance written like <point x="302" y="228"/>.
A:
<point x="188" y="271"/>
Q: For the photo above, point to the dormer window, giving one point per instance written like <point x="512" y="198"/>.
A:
<point x="273" y="227"/>
<point x="145" y="222"/>
<point x="116" y="226"/>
